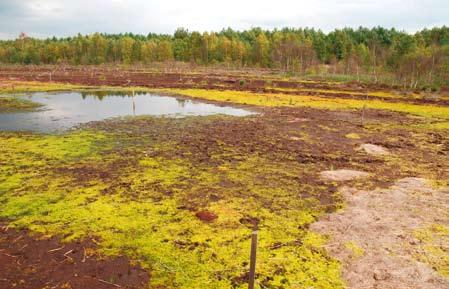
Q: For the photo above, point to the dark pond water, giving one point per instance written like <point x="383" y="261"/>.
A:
<point x="63" y="110"/>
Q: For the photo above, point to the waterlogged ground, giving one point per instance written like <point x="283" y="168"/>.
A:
<point x="57" y="111"/>
<point x="180" y="196"/>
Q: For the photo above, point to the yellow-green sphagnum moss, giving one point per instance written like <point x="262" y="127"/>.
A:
<point x="279" y="99"/>
<point x="92" y="184"/>
<point x="433" y="241"/>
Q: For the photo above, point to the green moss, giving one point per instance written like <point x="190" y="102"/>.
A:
<point x="35" y="86"/>
<point x="14" y="104"/>
<point x="267" y="99"/>
<point x="379" y="94"/>
<point x="261" y="99"/>
<point x="166" y="172"/>
<point x="355" y="249"/>
<point x="443" y="125"/>
<point x="137" y="193"/>
<point x="21" y="87"/>
<point x="352" y="136"/>
<point x="142" y="203"/>
<point x="433" y="242"/>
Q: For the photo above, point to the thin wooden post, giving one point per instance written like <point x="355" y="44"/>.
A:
<point x="362" y="116"/>
<point x="252" y="264"/>
<point x="134" y="105"/>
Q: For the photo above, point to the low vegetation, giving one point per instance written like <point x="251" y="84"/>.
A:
<point x="268" y="99"/>
<point x="12" y="87"/>
<point x="14" y="104"/>
<point x="434" y="239"/>
<point x="140" y="196"/>
<point x="180" y="196"/>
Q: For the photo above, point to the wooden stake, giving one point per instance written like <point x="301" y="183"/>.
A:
<point x="252" y="264"/>
<point x="134" y="105"/>
<point x="362" y="116"/>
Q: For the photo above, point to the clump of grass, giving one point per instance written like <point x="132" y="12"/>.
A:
<point x="14" y="104"/>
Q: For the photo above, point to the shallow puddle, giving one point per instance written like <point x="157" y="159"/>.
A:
<point x="63" y="110"/>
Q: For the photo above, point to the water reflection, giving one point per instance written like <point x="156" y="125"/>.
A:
<point x="64" y="110"/>
<point x="101" y="94"/>
<point x="181" y="102"/>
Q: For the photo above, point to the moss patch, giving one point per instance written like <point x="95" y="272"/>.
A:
<point x="7" y="87"/>
<point x="267" y="99"/>
<point x="13" y="104"/>
<point x="135" y="186"/>
<point x="356" y="250"/>
<point x="352" y="136"/>
<point x="137" y="192"/>
<point x="434" y="242"/>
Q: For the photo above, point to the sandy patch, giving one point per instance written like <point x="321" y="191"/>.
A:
<point x="372" y="149"/>
<point x="373" y="236"/>
<point x="342" y="175"/>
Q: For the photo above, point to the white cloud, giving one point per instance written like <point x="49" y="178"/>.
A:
<point x="66" y="17"/>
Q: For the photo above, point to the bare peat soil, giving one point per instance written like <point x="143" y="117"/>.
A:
<point x="42" y="262"/>
<point x="313" y="139"/>
<point x="211" y="79"/>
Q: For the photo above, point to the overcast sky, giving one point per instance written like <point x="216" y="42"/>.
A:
<point x="45" y="18"/>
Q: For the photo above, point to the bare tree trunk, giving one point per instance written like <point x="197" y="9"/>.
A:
<point x="431" y="68"/>
<point x="374" y="64"/>
<point x="412" y="78"/>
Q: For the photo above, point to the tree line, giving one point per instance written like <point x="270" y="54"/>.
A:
<point x="411" y="60"/>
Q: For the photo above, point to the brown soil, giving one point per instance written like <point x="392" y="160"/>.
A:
<point x="302" y="136"/>
<point x="209" y="79"/>
<point x="206" y="216"/>
<point x="37" y="262"/>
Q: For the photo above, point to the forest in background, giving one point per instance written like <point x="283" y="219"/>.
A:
<point x="411" y="61"/>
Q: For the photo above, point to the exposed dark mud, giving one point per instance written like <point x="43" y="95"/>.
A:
<point x="38" y="262"/>
<point x="312" y="140"/>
